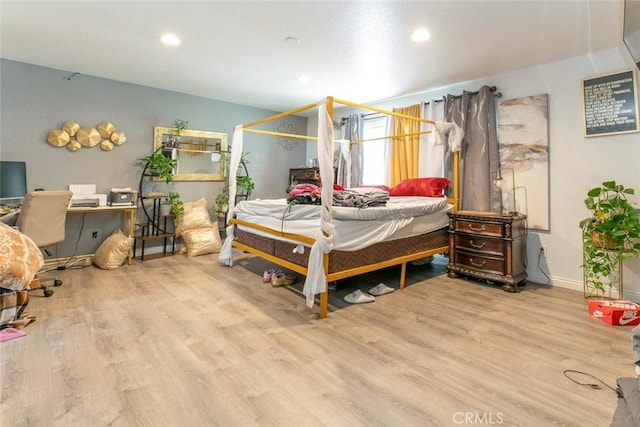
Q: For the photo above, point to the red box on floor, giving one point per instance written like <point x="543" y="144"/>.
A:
<point x="615" y="312"/>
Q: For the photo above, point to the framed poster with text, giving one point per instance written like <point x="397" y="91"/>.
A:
<point x="610" y="104"/>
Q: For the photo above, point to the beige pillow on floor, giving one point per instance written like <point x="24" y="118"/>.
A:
<point x="113" y="251"/>
<point x="201" y="241"/>
<point x="196" y="215"/>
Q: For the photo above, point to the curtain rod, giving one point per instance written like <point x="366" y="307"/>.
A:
<point x="491" y="88"/>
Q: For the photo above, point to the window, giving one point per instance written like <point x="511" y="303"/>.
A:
<point x="375" y="153"/>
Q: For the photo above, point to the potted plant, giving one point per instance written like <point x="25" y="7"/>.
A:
<point x="160" y="165"/>
<point x="176" y="206"/>
<point x="222" y="201"/>
<point x="244" y="187"/>
<point x="610" y="235"/>
<point x="179" y="126"/>
<point x="246" y="184"/>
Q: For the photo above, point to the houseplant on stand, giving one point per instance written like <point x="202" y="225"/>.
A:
<point x="176" y="207"/>
<point x="610" y="235"/>
<point x="244" y="187"/>
<point x="222" y="201"/>
<point x="179" y="126"/>
<point x="159" y="165"/>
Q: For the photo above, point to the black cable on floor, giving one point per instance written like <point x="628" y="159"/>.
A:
<point x="595" y="385"/>
<point x="75" y="251"/>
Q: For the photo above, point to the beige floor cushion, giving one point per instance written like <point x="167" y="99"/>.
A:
<point x="201" y="241"/>
<point x="113" y="251"/>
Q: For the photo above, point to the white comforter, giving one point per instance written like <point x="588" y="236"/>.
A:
<point x="396" y="207"/>
<point x="354" y="228"/>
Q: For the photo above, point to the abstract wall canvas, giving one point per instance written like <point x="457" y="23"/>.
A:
<point x="523" y="137"/>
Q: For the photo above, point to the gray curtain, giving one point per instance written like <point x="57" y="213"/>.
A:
<point x="475" y="113"/>
<point x="352" y="131"/>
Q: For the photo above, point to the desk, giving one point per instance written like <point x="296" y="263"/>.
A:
<point x="128" y="219"/>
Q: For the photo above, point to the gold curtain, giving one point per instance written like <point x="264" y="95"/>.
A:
<point x="405" y="150"/>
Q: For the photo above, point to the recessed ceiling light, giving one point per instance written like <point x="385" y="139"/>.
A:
<point x="290" y="40"/>
<point x="303" y="79"/>
<point x="420" y="35"/>
<point x="170" y="39"/>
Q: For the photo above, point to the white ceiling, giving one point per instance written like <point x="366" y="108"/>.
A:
<point x="355" y="50"/>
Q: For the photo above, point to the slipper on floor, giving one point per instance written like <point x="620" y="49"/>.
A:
<point x="283" y="279"/>
<point x="380" y="289"/>
<point x="268" y="275"/>
<point x="358" y="297"/>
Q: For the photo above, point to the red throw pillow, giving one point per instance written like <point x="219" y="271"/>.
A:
<point x="427" y="187"/>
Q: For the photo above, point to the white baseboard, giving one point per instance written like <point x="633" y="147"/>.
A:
<point x="561" y="282"/>
<point x="77" y="260"/>
<point x="574" y="285"/>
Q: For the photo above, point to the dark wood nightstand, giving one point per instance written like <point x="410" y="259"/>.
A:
<point x="308" y="176"/>
<point x="488" y="246"/>
<point x="305" y="175"/>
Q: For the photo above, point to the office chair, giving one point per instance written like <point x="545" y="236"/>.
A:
<point x="42" y="218"/>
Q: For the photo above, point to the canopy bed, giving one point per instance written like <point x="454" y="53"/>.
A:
<point x="326" y="243"/>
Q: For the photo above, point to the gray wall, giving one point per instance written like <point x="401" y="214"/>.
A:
<point x="35" y="100"/>
<point x="576" y="163"/>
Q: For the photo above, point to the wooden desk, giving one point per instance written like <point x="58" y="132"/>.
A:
<point x="128" y="219"/>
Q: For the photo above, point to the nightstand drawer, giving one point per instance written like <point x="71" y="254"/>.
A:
<point x="485" y="264"/>
<point x="476" y="243"/>
<point x="305" y="174"/>
<point x="485" y="228"/>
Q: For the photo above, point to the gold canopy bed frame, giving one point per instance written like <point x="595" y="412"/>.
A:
<point x="323" y="265"/>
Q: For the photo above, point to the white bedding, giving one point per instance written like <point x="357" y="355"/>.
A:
<point x="396" y="207"/>
<point x="354" y="228"/>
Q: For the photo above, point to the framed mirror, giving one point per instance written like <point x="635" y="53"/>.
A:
<point x="200" y="155"/>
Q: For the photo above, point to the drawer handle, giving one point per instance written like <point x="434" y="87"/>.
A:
<point x="477" y="264"/>
<point x="477" y="246"/>
<point x="481" y="228"/>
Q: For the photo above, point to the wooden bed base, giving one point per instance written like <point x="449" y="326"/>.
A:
<point x="339" y="264"/>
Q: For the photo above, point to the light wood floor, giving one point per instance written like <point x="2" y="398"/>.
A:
<point x="185" y="342"/>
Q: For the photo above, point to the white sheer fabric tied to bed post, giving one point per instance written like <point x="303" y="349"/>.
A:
<point x="452" y="131"/>
<point x="316" y="280"/>
<point x="226" y="253"/>
<point x="345" y="162"/>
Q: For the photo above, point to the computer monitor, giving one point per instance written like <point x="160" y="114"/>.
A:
<point x="13" y="180"/>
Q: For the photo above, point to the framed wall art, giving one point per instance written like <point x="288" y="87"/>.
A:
<point x="523" y="135"/>
<point x="610" y="104"/>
